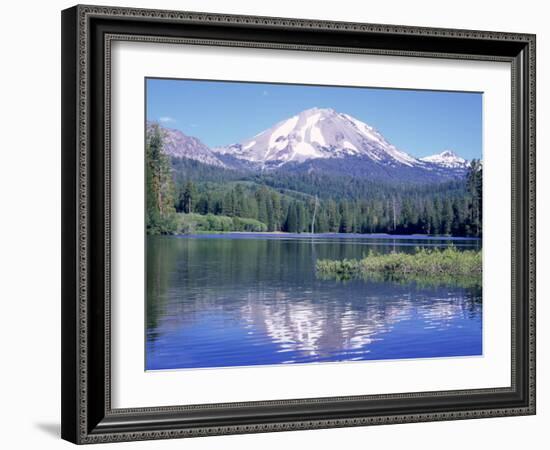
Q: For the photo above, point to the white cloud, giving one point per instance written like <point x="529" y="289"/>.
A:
<point x="166" y="119"/>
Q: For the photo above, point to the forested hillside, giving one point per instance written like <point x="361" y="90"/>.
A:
<point x="185" y="195"/>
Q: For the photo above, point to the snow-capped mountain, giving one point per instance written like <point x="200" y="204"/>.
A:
<point x="315" y="134"/>
<point x="179" y="145"/>
<point x="447" y="159"/>
<point x="320" y="141"/>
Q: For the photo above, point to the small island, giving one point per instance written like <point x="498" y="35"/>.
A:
<point x="428" y="266"/>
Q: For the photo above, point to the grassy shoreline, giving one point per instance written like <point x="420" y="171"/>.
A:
<point x="428" y="266"/>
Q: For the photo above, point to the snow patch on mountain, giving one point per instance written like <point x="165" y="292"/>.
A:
<point x="350" y="146"/>
<point x="317" y="137"/>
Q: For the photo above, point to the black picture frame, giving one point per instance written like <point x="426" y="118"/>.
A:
<point x="87" y="32"/>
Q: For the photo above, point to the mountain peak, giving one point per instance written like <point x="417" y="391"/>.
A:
<point x="315" y="110"/>
<point x="318" y="133"/>
<point x="447" y="158"/>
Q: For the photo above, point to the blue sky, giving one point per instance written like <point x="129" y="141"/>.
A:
<point x="220" y="113"/>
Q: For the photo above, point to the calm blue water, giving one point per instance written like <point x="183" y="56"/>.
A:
<point x="250" y="299"/>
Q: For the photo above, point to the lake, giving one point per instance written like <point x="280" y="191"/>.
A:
<point x="254" y="299"/>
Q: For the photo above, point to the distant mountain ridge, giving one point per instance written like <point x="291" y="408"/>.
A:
<point x="179" y="145"/>
<point x="321" y="141"/>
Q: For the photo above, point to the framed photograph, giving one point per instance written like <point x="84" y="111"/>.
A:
<point x="279" y="224"/>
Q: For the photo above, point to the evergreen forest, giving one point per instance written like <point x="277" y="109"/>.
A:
<point x="186" y="196"/>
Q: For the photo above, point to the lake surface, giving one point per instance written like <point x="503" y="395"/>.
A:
<point x="254" y="299"/>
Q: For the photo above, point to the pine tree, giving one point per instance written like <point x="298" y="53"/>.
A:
<point x="261" y="198"/>
<point x="346" y="221"/>
<point x="227" y="205"/>
<point x="159" y="184"/>
<point x="475" y="185"/>
<point x="447" y="217"/>
<point x="276" y="211"/>
<point x="238" y="201"/>
<point x="189" y="197"/>
<point x="292" y="219"/>
<point x="301" y="217"/>
<point x="333" y="216"/>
